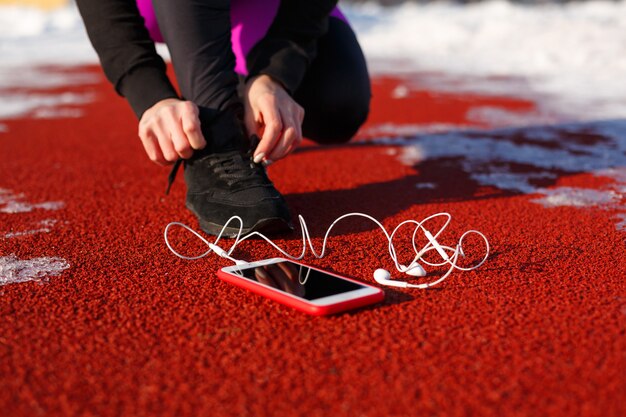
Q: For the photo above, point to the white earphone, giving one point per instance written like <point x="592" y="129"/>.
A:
<point x="382" y="276"/>
<point x="449" y="254"/>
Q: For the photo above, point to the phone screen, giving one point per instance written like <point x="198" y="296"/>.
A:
<point x="298" y="280"/>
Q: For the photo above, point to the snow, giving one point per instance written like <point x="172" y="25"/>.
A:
<point x="14" y="203"/>
<point x="32" y="37"/>
<point x="34" y="45"/>
<point x="42" y="105"/>
<point x="572" y="55"/>
<point x="14" y="270"/>
<point x="576" y="197"/>
<point x="43" y="226"/>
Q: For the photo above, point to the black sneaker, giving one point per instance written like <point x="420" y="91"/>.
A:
<point x="222" y="185"/>
<point x="223" y="180"/>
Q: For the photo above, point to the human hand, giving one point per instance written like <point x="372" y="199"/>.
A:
<point x="274" y="116"/>
<point x="171" y="129"/>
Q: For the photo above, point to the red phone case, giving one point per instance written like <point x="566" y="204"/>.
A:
<point x="298" y="304"/>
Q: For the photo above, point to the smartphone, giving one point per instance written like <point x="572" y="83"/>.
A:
<point x="302" y="287"/>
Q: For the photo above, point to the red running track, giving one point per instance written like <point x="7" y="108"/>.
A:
<point x="131" y="330"/>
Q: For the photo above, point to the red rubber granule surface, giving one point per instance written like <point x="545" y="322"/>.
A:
<point x="129" y="329"/>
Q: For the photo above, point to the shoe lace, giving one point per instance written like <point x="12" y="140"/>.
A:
<point x="235" y="168"/>
<point x="232" y="167"/>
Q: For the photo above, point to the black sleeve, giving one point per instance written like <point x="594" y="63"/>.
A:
<point x="290" y="45"/>
<point x="127" y="54"/>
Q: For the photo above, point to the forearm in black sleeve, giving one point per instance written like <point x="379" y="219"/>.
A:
<point x="290" y="45"/>
<point x="127" y="54"/>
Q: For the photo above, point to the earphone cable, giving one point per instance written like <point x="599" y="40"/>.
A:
<point x="432" y="245"/>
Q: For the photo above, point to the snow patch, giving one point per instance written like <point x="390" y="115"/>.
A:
<point x="496" y="117"/>
<point x="521" y="182"/>
<point x="15" y="77"/>
<point x="14" y="203"/>
<point x="491" y="157"/>
<point x="394" y="130"/>
<point x="571" y="55"/>
<point x="412" y="155"/>
<point x="44" y="226"/>
<point x="31" y="41"/>
<point x="401" y="91"/>
<point x="618" y="173"/>
<point x="31" y="37"/>
<point x="40" y="105"/>
<point x="14" y="270"/>
<point x="576" y="197"/>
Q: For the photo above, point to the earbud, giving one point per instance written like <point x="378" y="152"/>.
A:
<point x="382" y="276"/>
<point x="415" y="270"/>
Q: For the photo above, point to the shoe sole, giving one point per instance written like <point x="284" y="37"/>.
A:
<point x="273" y="225"/>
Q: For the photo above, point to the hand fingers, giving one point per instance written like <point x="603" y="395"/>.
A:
<point x="179" y="139"/>
<point x="298" y="120"/>
<point x="273" y="127"/>
<point x="297" y="140"/>
<point x="292" y="132"/>
<point x="171" y="129"/>
<point x="289" y="140"/>
<point x="165" y="142"/>
<point x="152" y="148"/>
<point x="280" y="150"/>
<point x="191" y="127"/>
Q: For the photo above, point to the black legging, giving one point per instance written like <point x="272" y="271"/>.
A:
<point x="335" y="92"/>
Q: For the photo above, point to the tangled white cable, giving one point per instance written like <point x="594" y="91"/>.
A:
<point x="450" y="255"/>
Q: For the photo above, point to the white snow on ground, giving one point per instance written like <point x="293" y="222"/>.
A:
<point x="572" y="55"/>
<point x="43" y="226"/>
<point x="14" y="270"/>
<point x="31" y="41"/>
<point x="14" y="203"/>
<point x="577" y="197"/>
<point x="32" y="37"/>
<point x="42" y="105"/>
<point x="487" y="156"/>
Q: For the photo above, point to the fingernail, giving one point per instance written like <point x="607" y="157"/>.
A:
<point x="267" y="162"/>
<point x="259" y="157"/>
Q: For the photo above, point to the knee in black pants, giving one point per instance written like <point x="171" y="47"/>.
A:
<point x="338" y="121"/>
<point x="335" y="92"/>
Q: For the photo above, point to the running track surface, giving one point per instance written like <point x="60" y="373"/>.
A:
<point x="129" y="329"/>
